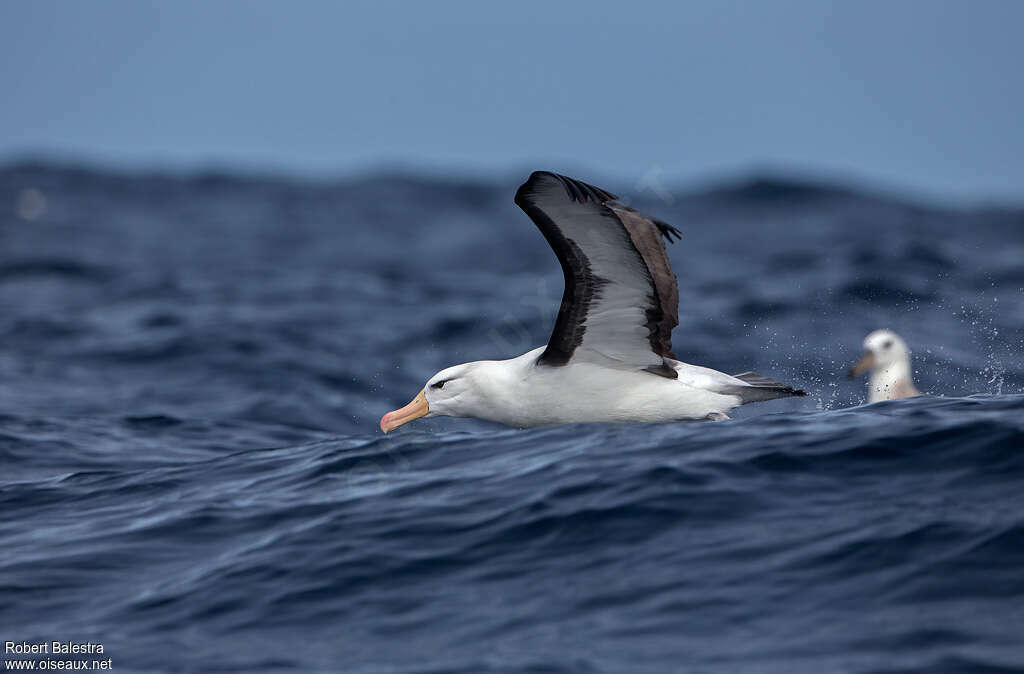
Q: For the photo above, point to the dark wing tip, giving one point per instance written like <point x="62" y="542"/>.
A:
<point x="667" y="230"/>
<point x="758" y="381"/>
<point x="582" y="192"/>
<point x="577" y="190"/>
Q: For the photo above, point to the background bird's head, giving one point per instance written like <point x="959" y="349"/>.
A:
<point x="882" y="349"/>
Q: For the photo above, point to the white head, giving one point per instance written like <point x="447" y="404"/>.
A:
<point x="457" y="391"/>
<point x="888" y="359"/>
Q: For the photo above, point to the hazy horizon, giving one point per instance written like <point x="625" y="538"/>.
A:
<point x="918" y="98"/>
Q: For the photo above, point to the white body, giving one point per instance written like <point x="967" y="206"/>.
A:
<point x="518" y="392"/>
<point x="891" y="382"/>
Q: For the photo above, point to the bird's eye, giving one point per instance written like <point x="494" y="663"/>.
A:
<point x="439" y="384"/>
<point x="887" y="344"/>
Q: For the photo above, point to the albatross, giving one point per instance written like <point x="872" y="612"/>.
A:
<point x="887" y="358"/>
<point x="609" y="358"/>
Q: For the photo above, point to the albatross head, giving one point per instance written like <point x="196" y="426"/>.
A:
<point x="453" y="392"/>
<point x="887" y="357"/>
<point x="883" y="349"/>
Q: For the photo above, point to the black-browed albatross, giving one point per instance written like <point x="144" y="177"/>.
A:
<point x="610" y="356"/>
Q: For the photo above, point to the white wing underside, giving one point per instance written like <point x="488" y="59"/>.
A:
<point x="617" y="310"/>
<point x="615" y="327"/>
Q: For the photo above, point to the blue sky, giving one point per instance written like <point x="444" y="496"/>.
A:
<point x="925" y="96"/>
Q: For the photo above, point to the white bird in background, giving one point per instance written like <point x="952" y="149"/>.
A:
<point x="610" y="356"/>
<point x="888" y="359"/>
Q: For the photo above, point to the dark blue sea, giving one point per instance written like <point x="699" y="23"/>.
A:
<point x="193" y="368"/>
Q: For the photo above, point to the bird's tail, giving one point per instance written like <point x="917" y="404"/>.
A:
<point x="760" y="388"/>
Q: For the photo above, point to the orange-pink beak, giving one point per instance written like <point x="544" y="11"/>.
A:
<point x="866" y="362"/>
<point x="414" y="410"/>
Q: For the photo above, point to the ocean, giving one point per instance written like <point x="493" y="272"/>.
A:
<point x="193" y="367"/>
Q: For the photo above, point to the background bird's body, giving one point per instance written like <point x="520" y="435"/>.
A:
<point x="891" y="382"/>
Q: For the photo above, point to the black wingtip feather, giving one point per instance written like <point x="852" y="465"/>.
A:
<point x="581" y="192"/>
<point x="758" y="381"/>
<point x="577" y="190"/>
<point x="667" y="230"/>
